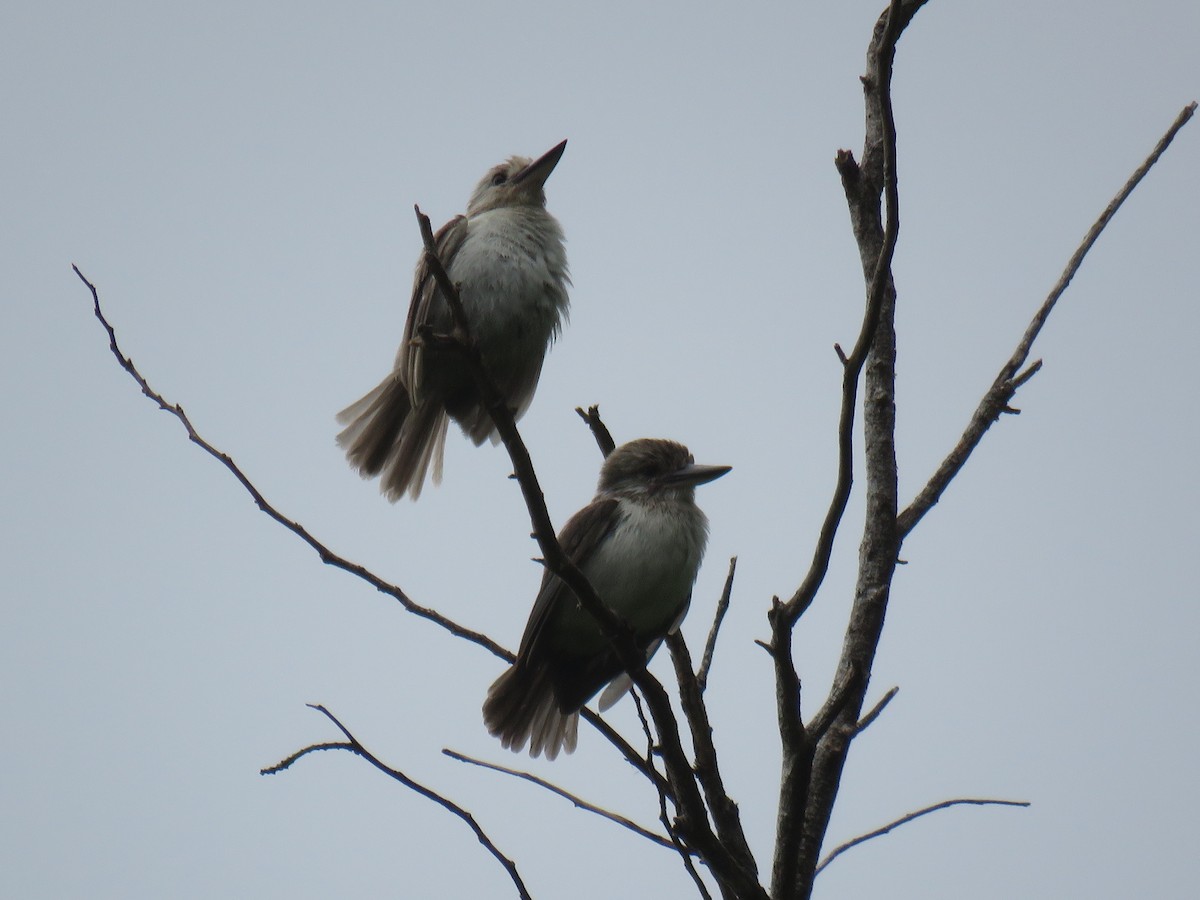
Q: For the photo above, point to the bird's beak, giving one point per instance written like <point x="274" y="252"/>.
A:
<point x="539" y="170"/>
<point x="694" y="474"/>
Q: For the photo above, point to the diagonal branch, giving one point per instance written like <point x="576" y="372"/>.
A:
<point x="903" y="820"/>
<point x="692" y="820"/>
<point x="710" y="645"/>
<point x="722" y="807"/>
<point x="996" y="400"/>
<point x="327" y="556"/>
<point x="604" y="439"/>
<point x="866" y="721"/>
<point x="664" y="815"/>
<point x="352" y="745"/>
<point x="579" y="802"/>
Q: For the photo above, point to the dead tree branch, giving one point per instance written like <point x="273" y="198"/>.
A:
<point x="691" y="821"/>
<point x="353" y="746"/>
<point x="865" y="722"/>
<point x="604" y="440"/>
<point x="710" y="645"/>
<point x="812" y="763"/>
<point x="724" y="811"/>
<point x="578" y="801"/>
<point x="996" y="401"/>
<point x="327" y="556"/>
<point x="664" y="815"/>
<point x="903" y="820"/>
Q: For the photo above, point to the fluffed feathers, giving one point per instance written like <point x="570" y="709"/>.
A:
<point x="521" y="707"/>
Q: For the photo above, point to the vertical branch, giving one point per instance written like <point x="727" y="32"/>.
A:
<point x="813" y="758"/>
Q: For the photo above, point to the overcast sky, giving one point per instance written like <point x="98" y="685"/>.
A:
<point x="238" y="181"/>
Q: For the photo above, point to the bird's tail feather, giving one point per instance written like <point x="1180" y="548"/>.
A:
<point x="521" y="707"/>
<point x="386" y="435"/>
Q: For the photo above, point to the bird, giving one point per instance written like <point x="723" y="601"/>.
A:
<point x="508" y="260"/>
<point x="639" y="543"/>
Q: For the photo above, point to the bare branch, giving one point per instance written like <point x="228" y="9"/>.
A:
<point x="555" y="789"/>
<point x="903" y="820"/>
<point x="449" y="290"/>
<point x="664" y="815"/>
<point x="865" y="722"/>
<point x="684" y="791"/>
<point x="710" y="645"/>
<point x="995" y="401"/>
<point x="286" y="762"/>
<point x="358" y="749"/>
<point x="721" y="806"/>
<point x="812" y="767"/>
<point x="327" y="556"/>
<point x="604" y="440"/>
<point x="632" y="756"/>
<point x="330" y="558"/>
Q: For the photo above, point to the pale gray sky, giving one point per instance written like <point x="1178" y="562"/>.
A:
<point x="238" y="180"/>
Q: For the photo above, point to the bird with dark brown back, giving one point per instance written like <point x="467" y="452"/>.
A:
<point x="639" y="544"/>
<point x="506" y="257"/>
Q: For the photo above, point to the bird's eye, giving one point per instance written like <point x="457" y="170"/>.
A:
<point x="498" y="179"/>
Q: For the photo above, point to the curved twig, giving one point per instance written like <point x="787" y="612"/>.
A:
<point x="903" y="820"/>
<point x="287" y="761"/>
<point x="578" y="801"/>
<point x="353" y="746"/>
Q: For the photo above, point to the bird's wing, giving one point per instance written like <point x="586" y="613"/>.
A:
<point x="580" y="537"/>
<point x="448" y="241"/>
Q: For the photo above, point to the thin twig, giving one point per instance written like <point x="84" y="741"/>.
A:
<point x="879" y="832"/>
<point x="710" y="645"/>
<point x="722" y="808"/>
<point x="626" y="749"/>
<point x="664" y="814"/>
<point x="995" y="401"/>
<point x="567" y="795"/>
<point x="865" y="721"/>
<point x="358" y="749"/>
<point x="604" y="440"/>
<point x="327" y="556"/>
<point x="286" y="762"/>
